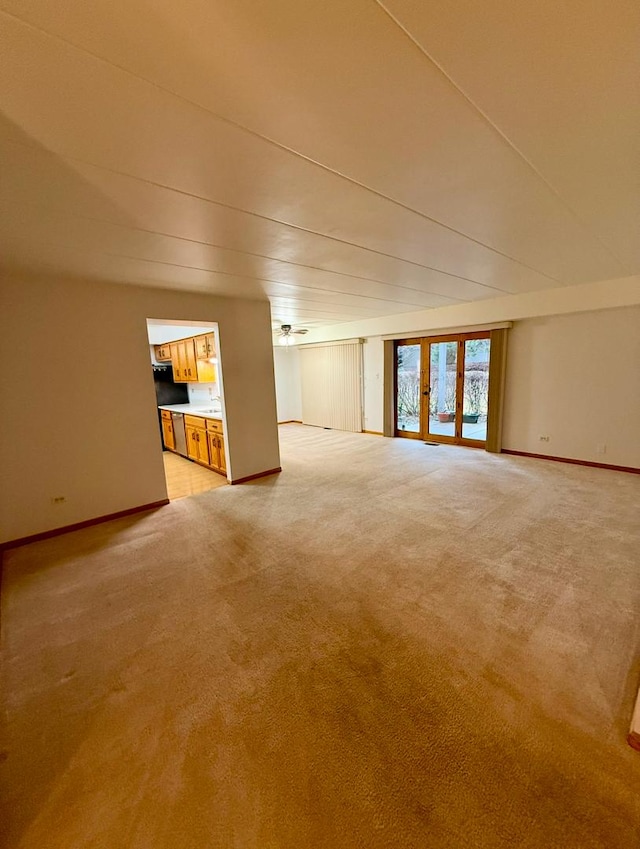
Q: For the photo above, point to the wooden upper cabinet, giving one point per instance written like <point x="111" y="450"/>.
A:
<point x="190" y="359"/>
<point x="205" y="346"/>
<point x="200" y="343"/>
<point x="163" y="352"/>
<point x="206" y="372"/>
<point x="189" y="364"/>
<point x="183" y="360"/>
<point x="176" y="361"/>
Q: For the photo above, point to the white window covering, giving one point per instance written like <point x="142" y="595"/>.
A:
<point x="332" y="386"/>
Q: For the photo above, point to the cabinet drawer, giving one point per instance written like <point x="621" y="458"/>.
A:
<point x="165" y="414"/>
<point x="214" y="424"/>
<point x="194" y="421"/>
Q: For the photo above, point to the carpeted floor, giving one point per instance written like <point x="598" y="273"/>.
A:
<point x="387" y="645"/>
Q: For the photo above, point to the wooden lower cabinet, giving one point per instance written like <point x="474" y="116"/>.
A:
<point x="215" y="437"/>
<point x="205" y="442"/>
<point x="197" y="447"/>
<point x="217" y="460"/>
<point x="168" y="436"/>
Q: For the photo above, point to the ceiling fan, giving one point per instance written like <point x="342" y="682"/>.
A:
<point x="286" y="334"/>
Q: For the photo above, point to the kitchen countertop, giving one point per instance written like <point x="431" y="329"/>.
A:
<point x="194" y="410"/>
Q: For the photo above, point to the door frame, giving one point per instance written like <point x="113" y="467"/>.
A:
<point x="425" y="343"/>
<point x="406" y="434"/>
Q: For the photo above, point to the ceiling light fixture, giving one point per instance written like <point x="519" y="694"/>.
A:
<point x="287" y="332"/>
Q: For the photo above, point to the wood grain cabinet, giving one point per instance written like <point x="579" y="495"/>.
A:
<point x="183" y="360"/>
<point x="205" y="346"/>
<point x="205" y="349"/>
<point x="190" y="358"/>
<point x="168" y="436"/>
<point x="205" y="442"/>
<point x="176" y="362"/>
<point x="190" y="363"/>
<point x="163" y="353"/>
<point x="215" y="438"/>
<point x="197" y="444"/>
<point x="206" y="372"/>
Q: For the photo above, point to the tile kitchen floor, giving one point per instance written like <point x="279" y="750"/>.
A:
<point x="187" y="478"/>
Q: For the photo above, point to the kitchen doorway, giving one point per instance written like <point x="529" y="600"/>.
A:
<point x="442" y="388"/>
<point x="190" y="405"/>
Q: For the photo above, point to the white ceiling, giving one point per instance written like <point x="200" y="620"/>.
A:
<point x="160" y="331"/>
<point x="346" y="159"/>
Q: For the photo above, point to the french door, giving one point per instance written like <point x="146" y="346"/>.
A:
<point x="442" y="388"/>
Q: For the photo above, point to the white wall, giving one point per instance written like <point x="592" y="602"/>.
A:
<point x="79" y="418"/>
<point x="568" y="348"/>
<point x="373" y="364"/>
<point x="286" y="363"/>
<point x="572" y="377"/>
<point x="604" y="294"/>
<point x="288" y="383"/>
<point x="576" y="379"/>
<point x="202" y="393"/>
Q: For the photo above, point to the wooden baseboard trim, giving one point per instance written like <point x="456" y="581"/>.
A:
<point x="77" y="526"/>
<point x="291" y="421"/>
<point x="374" y="432"/>
<point x="633" y="740"/>
<point x="634" y="732"/>
<point x="259" y="475"/>
<point x="631" y="469"/>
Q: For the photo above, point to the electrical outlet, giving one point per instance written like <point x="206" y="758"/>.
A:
<point x="601" y="448"/>
<point x="544" y="438"/>
<point x="58" y="499"/>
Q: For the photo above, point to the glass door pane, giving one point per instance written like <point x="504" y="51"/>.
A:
<point x="475" y="389"/>
<point x="443" y="369"/>
<point x="408" y="389"/>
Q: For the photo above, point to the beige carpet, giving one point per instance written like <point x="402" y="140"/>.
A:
<point x="387" y="645"/>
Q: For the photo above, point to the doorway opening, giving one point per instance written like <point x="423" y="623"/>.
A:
<point x="190" y="405"/>
<point x="442" y="388"/>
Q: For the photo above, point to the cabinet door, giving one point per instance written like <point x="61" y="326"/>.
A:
<point x="163" y="352"/>
<point x="216" y="452"/>
<point x="222" y="460"/>
<point x="214" y="460"/>
<point x="168" y="436"/>
<point x="189" y="363"/>
<point x="203" y="447"/>
<point x="200" y="343"/>
<point x="192" y="442"/>
<point x="176" y="362"/>
<point x="205" y="346"/>
<point x="206" y="372"/>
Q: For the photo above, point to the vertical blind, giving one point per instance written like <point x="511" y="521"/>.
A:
<point x="332" y="386"/>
